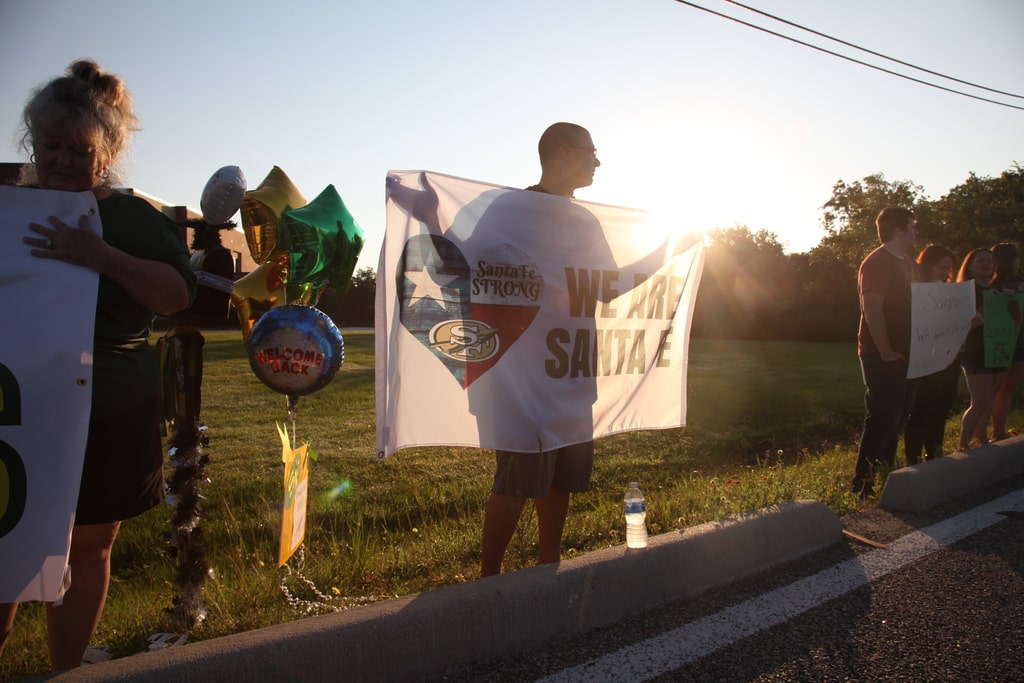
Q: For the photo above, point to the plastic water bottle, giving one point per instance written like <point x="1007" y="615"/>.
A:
<point x="636" y="513"/>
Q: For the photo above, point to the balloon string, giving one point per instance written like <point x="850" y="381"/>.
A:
<point x="293" y="410"/>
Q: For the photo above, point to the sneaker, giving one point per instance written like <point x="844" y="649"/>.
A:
<point x="95" y="655"/>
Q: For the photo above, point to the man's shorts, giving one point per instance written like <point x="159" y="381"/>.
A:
<point x="533" y="475"/>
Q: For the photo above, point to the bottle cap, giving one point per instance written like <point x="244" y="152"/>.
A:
<point x="633" y="485"/>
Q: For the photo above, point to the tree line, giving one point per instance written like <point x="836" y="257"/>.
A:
<point x="751" y="289"/>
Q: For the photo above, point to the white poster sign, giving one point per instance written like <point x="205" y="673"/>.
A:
<point x="48" y="314"/>
<point x="525" y="321"/>
<point x="941" y="314"/>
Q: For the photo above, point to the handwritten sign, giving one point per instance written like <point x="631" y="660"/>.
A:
<point x="941" y="314"/>
<point x="1002" y="325"/>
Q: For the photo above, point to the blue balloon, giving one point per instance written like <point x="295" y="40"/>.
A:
<point x="295" y="350"/>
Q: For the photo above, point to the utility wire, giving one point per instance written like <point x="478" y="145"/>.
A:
<point x="849" y="59"/>
<point x="872" y="52"/>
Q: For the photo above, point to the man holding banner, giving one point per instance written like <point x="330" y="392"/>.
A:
<point x="505" y="321"/>
<point x="568" y="160"/>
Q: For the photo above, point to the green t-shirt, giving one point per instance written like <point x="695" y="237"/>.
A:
<point x="126" y="371"/>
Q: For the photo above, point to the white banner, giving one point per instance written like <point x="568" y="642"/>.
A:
<point x="48" y="313"/>
<point x="525" y="321"/>
<point x="940" y="318"/>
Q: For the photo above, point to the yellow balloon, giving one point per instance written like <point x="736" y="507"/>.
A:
<point x="265" y="288"/>
<point x="258" y="292"/>
<point x="261" y="213"/>
<point x="260" y="226"/>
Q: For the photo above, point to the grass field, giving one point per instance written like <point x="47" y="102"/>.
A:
<point x="768" y="422"/>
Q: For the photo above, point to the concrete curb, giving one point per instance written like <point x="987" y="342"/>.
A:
<point x="923" y="486"/>
<point x="423" y="635"/>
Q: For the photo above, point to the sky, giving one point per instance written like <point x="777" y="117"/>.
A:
<point x="710" y="122"/>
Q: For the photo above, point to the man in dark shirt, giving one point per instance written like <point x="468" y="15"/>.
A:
<point x="883" y="343"/>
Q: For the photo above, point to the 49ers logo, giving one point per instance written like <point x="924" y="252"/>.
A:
<point x="465" y="316"/>
<point x="464" y="340"/>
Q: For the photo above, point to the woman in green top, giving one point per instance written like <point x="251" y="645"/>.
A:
<point x="76" y="127"/>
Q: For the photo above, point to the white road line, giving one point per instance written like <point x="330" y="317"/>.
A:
<point x="679" y="647"/>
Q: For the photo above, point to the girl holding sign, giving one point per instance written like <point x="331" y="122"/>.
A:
<point x="936" y="394"/>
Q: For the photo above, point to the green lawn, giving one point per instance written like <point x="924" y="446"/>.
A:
<point x="768" y="422"/>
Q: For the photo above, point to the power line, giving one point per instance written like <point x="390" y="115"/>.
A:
<point x="872" y="52"/>
<point x="849" y="59"/>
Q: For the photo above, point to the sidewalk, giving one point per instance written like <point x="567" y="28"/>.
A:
<point x="418" y="636"/>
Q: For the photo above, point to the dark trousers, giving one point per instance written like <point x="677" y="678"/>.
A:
<point x="926" y="426"/>
<point x="887" y="403"/>
<point x="925" y="437"/>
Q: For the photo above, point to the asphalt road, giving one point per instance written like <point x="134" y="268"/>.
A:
<point x="943" y="600"/>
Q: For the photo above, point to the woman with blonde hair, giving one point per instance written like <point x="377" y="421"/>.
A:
<point x="76" y="127"/>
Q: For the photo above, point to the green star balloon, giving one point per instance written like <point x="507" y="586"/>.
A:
<point x="324" y="242"/>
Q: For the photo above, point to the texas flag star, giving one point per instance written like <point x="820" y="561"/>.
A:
<point x="429" y="283"/>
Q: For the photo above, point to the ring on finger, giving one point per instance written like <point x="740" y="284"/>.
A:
<point x="49" y="244"/>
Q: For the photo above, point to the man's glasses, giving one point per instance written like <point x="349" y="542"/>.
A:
<point x="592" y="150"/>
